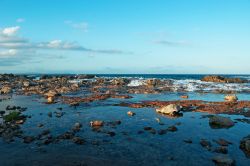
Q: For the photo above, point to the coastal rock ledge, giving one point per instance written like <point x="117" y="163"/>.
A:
<point x="221" y="79"/>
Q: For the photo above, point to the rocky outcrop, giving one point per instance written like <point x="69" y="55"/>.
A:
<point x="245" y="145"/>
<point x="221" y="79"/>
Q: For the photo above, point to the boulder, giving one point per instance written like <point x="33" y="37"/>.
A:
<point x="5" y="90"/>
<point x="217" y="122"/>
<point x="231" y="98"/>
<point x="245" y="145"/>
<point x="170" y="110"/>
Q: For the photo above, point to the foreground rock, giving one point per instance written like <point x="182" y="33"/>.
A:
<point x="222" y="160"/>
<point x="231" y="98"/>
<point x="171" y="110"/>
<point x="245" y="146"/>
<point x="218" y="122"/>
<point x="221" y="79"/>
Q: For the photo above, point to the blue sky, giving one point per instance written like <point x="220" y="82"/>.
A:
<point x="125" y="36"/>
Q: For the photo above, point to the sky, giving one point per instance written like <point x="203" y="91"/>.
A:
<point x="125" y="36"/>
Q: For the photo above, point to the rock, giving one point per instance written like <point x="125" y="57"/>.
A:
<point x="78" y="140"/>
<point x="245" y="145"/>
<point x="50" y="99"/>
<point x="28" y="139"/>
<point x="111" y="133"/>
<point x="189" y="141"/>
<point x="221" y="79"/>
<point x="96" y="123"/>
<point x="223" y="142"/>
<point x="171" y="110"/>
<point x="184" y="96"/>
<point x="162" y="132"/>
<point x="218" y="122"/>
<point x="5" y="90"/>
<point x="77" y="127"/>
<point x="221" y="149"/>
<point x="231" y="98"/>
<point x="21" y="121"/>
<point x="206" y="144"/>
<point x="50" y="114"/>
<point x="172" y="128"/>
<point x="130" y="113"/>
<point x="222" y="160"/>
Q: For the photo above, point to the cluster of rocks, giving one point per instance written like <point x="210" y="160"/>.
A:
<point x="12" y="119"/>
<point x="221" y="79"/>
<point x="176" y="107"/>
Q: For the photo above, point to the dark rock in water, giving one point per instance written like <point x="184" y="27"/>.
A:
<point x="78" y="140"/>
<point x="28" y="139"/>
<point x="218" y="122"/>
<point x="222" y="160"/>
<point x="243" y="120"/>
<point x="206" y="144"/>
<point x="221" y="79"/>
<point x="189" y="141"/>
<point x="50" y="114"/>
<point x="162" y="132"/>
<point x="221" y="149"/>
<point x="172" y="128"/>
<point x="85" y="76"/>
<point x="111" y="133"/>
<point x="245" y="145"/>
<point x="148" y="128"/>
<point x="222" y="142"/>
<point x="77" y="127"/>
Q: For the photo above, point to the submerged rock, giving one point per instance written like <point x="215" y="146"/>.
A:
<point x="171" y="110"/>
<point x="222" y="160"/>
<point x="206" y="144"/>
<point x="217" y="122"/>
<point x="245" y="145"/>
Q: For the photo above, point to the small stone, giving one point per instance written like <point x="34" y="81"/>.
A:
<point x="221" y="149"/>
<point x="162" y="132"/>
<point x="184" y="96"/>
<point x="223" y="142"/>
<point x="96" y="123"/>
<point x="130" y="113"/>
<point x="172" y="128"/>
<point x="78" y="140"/>
<point x="50" y="114"/>
<point x="188" y="141"/>
<point x="206" y="144"/>
<point x="28" y="139"/>
<point x="222" y="160"/>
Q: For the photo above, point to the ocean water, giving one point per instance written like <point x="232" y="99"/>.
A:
<point x="131" y="145"/>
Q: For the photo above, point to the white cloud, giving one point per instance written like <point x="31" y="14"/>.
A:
<point x="20" y="20"/>
<point x="172" y="43"/>
<point x="10" y="31"/>
<point x="6" y="53"/>
<point x="78" y="25"/>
